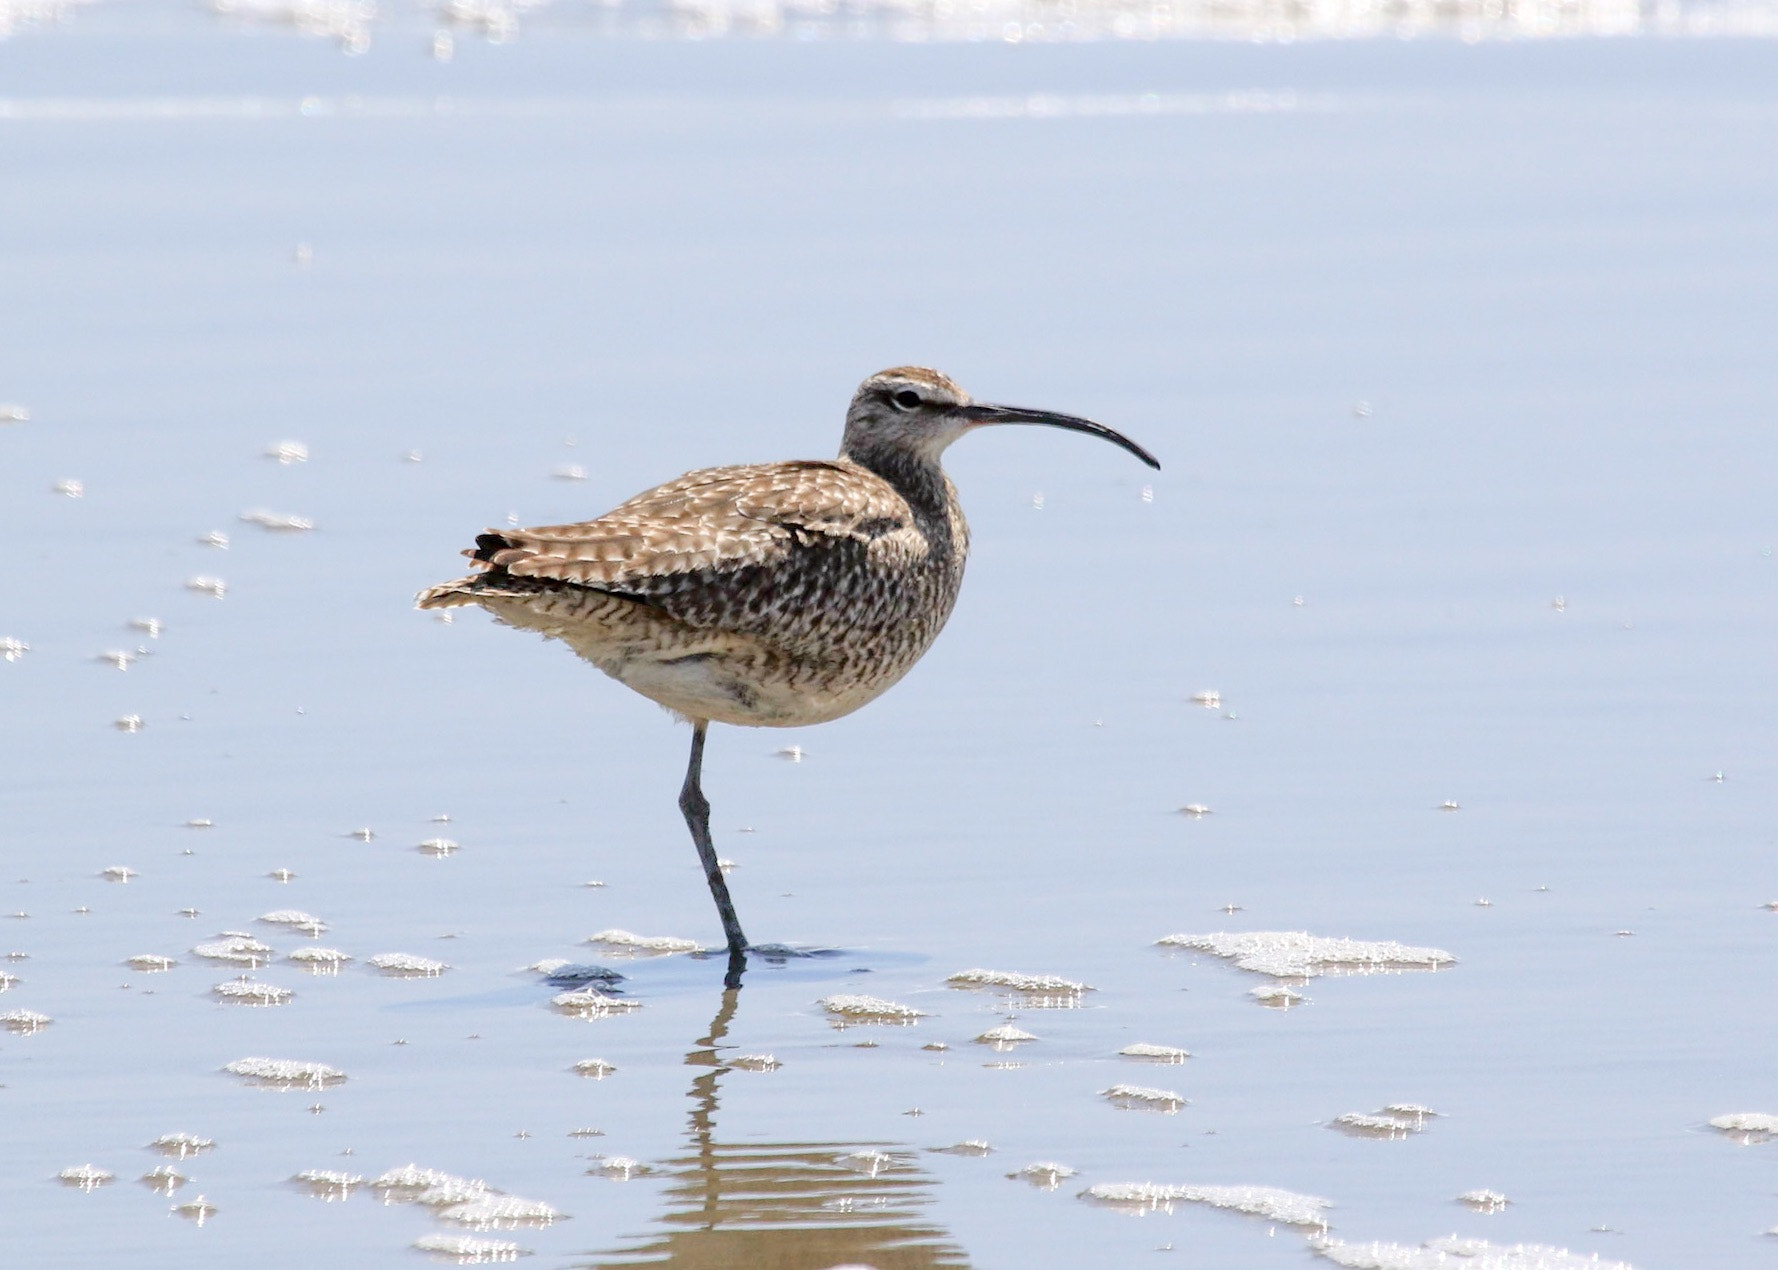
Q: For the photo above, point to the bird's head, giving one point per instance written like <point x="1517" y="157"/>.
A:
<point x="911" y="410"/>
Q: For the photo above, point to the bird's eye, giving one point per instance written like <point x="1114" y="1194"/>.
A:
<point x="906" y="399"/>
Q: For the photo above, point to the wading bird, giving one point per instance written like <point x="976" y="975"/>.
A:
<point x="763" y="595"/>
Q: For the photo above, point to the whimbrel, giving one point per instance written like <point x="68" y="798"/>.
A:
<point x="763" y="595"/>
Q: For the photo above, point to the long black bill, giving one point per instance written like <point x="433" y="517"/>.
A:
<point x="980" y="412"/>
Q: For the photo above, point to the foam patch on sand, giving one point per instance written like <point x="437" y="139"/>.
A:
<point x="1454" y="1253"/>
<point x="1747" y="1127"/>
<point x="408" y="966"/>
<point x="468" y="1251"/>
<point x="87" y="1177"/>
<point x="1272" y="1203"/>
<point x="237" y="947"/>
<point x="1016" y="982"/>
<point x="859" y="1008"/>
<point x="1300" y="955"/>
<point x="1155" y="1053"/>
<point x="627" y="942"/>
<point x="1045" y="1174"/>
<point x="1397" y="1120"/>
<point x="329" y="1184"/>
<point x="296" y="919"/>
<point x="182" y="1145"/>
<point x="493" y="1211"/>
<point x="1142" y="1098"/>
<point x="320" y="960"/>
<point x="285" y="1073"/>
<point x="1004" y="1037"/>
<point x="590" y="1003"/>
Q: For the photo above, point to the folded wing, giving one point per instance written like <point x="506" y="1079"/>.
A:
<point x="724" y="548"/>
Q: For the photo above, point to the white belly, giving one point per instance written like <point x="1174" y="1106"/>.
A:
<point x="725" y="689"/>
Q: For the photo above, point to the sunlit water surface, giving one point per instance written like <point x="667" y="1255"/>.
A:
<point x="1459" y="361"/>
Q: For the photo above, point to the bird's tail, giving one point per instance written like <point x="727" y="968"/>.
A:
<point x="447" y="595"/>
<point x="495" y="584"/>
<point x="494" y="580"/>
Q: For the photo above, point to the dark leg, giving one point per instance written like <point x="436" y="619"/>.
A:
<point x="697" y="818"/>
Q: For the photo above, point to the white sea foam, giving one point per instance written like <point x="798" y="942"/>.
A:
<point x="1454" y="1253"/>
<point x="1045" y="1174"/>
<point x="855" y="1007"/>
<point x="467" y="1250"/>
<point x="199" y="1210"/>
<point x="320" y="960"/>
<point x="1005" y="1037"/>
<point x="969" y="1146"/>
<point x="290" y="917"/>
<point x="1155" y="1053"/>
<point x="1484" y="1201"/>
<point x="409" y="1181"/>
<point x="1016" y="982"/>
<point x="249" y="992"/>
<point x="1300" y="955"/>
<point x="277" y="522"/>
<point x="408" y="966"/>
<point x="493" y="1211"/>
<point x="182" y="1145"/>
<point x="286" y="1073"/>
<point x="1276" y="996"/>
<point x="591" y="1003"/>
<point x="1287" y="1208"/>
<point x="232" y="946"/>
<point x="1748" y="1127"/>
<point x="626" y="942"/>
<point x="868" y="1161"/>
<point x="328" y="1184"/>
<point x="285" y="452"/>
<point x="1142" y="1098"/>
<point x="87" y="1177"/>
<point x="1362" y="1124"/>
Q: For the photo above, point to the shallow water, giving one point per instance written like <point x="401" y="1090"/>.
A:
<point x="1468" y="350"/>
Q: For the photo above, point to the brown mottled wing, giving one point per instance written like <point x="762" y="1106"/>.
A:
<point x="724" y="546"/>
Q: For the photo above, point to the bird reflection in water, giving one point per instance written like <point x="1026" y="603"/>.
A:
<point x="785" y="1205"/>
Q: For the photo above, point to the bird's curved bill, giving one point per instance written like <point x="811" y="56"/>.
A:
<point x="980" y="413"/>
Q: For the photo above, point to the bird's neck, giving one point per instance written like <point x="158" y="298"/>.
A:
<point x="915" y="477"/>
